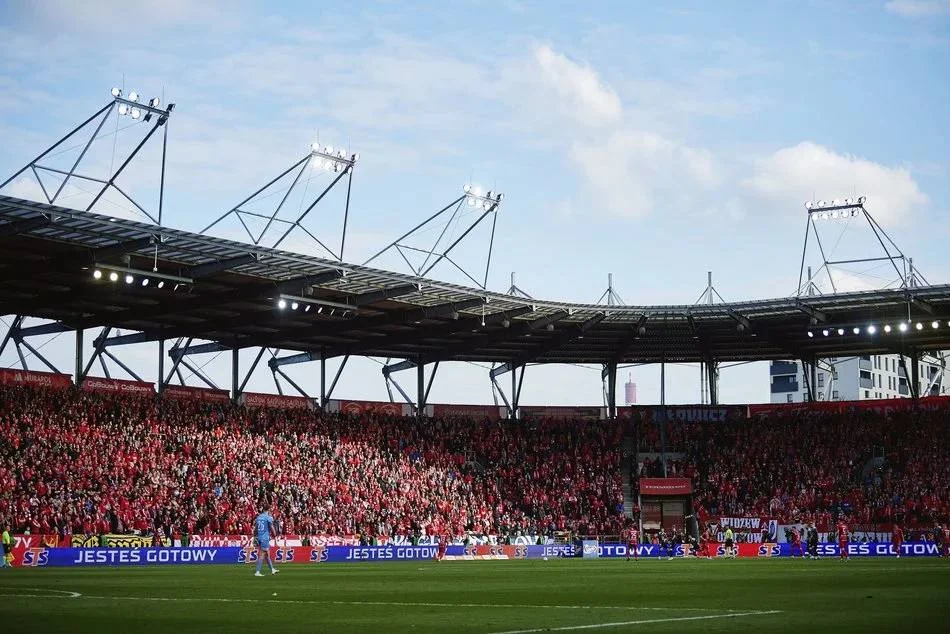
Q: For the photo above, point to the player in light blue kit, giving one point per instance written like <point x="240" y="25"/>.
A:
<point x="263" y="528"/>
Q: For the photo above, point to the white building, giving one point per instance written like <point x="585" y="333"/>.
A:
<point x="859" y="378"/>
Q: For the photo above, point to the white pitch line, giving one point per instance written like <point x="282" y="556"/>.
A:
<point x="516" y="606"/>
<point x="67" y="594"/>
<point x="639" y="622"/>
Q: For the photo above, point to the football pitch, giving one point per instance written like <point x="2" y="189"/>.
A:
<point x="762" y="595"/>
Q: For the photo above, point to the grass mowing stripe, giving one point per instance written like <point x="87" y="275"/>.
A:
<point x="640" y="622"/>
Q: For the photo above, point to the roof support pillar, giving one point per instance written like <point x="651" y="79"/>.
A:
<point x="611" y="371"/>
<point x="78" y="357"/>
<point x="712" y="379"/>
<point x="235" y="371"/>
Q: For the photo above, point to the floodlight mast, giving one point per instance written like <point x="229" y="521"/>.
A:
<point x="327" y="158"/>
<point x="844" y="210"/>
<point x="472" y="196"/>
<point x="122" y="106"/>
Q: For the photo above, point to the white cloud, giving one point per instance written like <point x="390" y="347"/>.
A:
<point x="587" y="98"/>
<point x="634" y="169"/>
<point x="918" y="8"/>
<point x="793" y="175"/>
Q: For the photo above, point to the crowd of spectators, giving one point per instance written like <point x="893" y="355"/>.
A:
<point x="76" y="462"/>
<point x="872" y="468"/>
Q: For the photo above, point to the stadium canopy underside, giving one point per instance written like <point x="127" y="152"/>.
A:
<point x="229" y="294"/>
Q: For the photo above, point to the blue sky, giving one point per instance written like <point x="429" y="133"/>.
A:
<point x="655" y="141"/>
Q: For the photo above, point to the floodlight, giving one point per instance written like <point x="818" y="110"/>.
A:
<point x="861" y="200"/>
<point x="887" y="328"/>
<point x="920" y="326"/>
<point x="161" y="283"/>
<point x="116" y="92"/>
<point x="154" y="101"/>
<point x="471" y="202"/>
<point x="145" y="281"/>
<point x="294" y="306"/>
<point x="841" y="331"/>
<point x="97" y="274"/>
<point x="306" y="308"/>
<point x="834" y="214"/>
<point x="356" y="157"/>
<point x="281" y="304"/>
<point x="314" y="147"/>
<point x="340" y="153"/>
<point x="499" y="197"/>
<point x="128" y="278"/>
<point x="935" y="324"/>
<point x="467" y="188"/>
<point x="856" y="330"/>
<point x="810" y="334"/>
<point x="113" y="276"/>
<point x="477" y="190"/>
<point x="328" y="150"/>
<point x="872" y="329"/>
<point x="133" y="96"/>
<point x="902" y="327"/>
<point x="123" y="109"/>
<point x="136" y="113"/>
<point x="825" y="332"/>
<point x="489" y="194"/>
<point x="808" y="205"/>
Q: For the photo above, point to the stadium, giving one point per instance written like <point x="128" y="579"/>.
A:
<point x="182" y="448"/>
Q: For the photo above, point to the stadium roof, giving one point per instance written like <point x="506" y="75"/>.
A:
<point x="48" y="254"/>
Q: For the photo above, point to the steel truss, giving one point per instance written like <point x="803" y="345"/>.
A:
<point x="343" y="166"/>
<point x="423" y="387"/>
<point x="846" y="210"/>
<point x="118" y="106"/>
<point x="437" y="253"/>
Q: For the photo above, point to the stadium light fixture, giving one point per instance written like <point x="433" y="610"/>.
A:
<point x="902" y="327"/>
<point x="116" y="91"/>
<point x="475" y="198"/>
<point x="935" y="324"/>
<point x="113" y="277"/>
<point x="887" y="328"/>
<point x="835" y="209"/>
<point x="97" y="274"/>
<point x="873" y="329"/>
<point x="810" y="334"/>
<point x="129" y="278"/>
<point x="294" y="306"/>
<point x="841" y="331"/>
<point x="145" y="281"/>
<point x="296" y="301"/>
<point x="919" y="326"/>
<point x="281" y="304"/>
<point x="856" y="330"/>
<point x="825" y="332"/>
<point x="331" y="159"/>
<point x="161" y="284"/>
<point x="133" y="96"/>
<point x="131" y="273"/>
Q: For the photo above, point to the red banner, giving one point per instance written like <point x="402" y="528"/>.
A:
<point x="185" y="392"/>
<point x="562" y="413"/>
<point x="369" y="407"/>
<point x="665" y="486"/>
<point x="37" y="379"/>
<point x="35" y="543"/>
<point x="491" y="412"/>
<point x="844" y="407"/>
<point x="118" y="386"/>
<point x="274" y="401"/>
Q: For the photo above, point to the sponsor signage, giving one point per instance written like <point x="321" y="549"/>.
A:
<point x="117" y="386"/>
<point x="37" y="379"/>
<point x="529" y="412"/>
<point x="490" y="412"/>
<point x="114" y="541"/>
<point x="666" y="486"/>
<point x="370" y="407"/>
<point x="184" y="392"/>
<point x="692" y="413"/>
<point x="750" y="526"/>
<point x="274" y="401"/>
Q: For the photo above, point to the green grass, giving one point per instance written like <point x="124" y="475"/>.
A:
<point x="862" y="595"/>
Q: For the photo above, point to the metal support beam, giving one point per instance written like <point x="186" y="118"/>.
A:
<point x="712" y="371"/>
<point x="161" y="363"/>
<point x="176" y="361"/>
<point x="420" y="389"/>
<point x="235" y="371"/>
<point x="98" y="346"/>
<point x="115" y="359"/>
<point x="293" y="384"/>
<point x="77" y="376"/>
<point x="198" y="373"/>
<point x="611" y="370"/>
<point x="250" y="371"/>
<point x="210" y="268"/>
